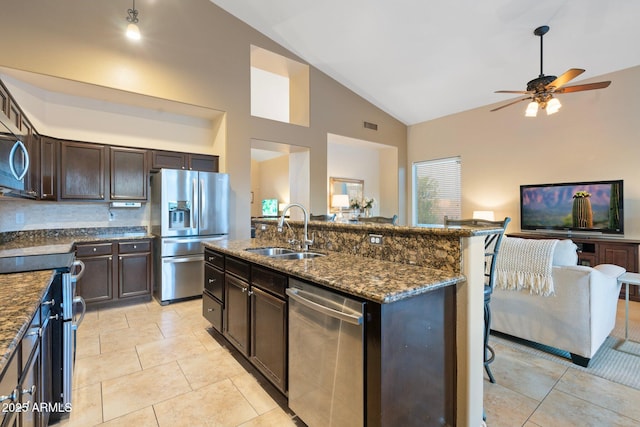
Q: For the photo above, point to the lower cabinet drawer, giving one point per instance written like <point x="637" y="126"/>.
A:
<point x="214" y="281"/>
<point x="212" y="311"/>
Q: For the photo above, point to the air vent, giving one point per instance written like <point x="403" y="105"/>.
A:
<point x="371" y="126"/>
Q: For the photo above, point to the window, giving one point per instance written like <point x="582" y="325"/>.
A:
<point x="436" y="191"/>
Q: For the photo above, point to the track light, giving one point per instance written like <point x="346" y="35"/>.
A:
<point x="133" y="32"/>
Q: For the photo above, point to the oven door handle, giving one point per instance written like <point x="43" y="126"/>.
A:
<point x="77" y="263"/>
<point x="79" y="300"/>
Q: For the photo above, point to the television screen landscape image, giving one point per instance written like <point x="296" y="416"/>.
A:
<point x="582" y="206"/>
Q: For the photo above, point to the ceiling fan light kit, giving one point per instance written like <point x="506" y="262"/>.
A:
<point x="542" y="88"/>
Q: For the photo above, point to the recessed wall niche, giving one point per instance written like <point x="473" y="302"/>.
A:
<point x="279" y="88"/>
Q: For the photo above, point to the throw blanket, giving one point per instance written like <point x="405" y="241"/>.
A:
<point x="526" y="264"/>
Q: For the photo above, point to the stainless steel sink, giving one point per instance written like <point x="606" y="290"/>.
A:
<point x="283" y="253"/>
<point x="270" y="251"/>
<point x="298" y="255"/>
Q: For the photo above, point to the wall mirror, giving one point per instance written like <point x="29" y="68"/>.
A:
<point x="354" y="188"/>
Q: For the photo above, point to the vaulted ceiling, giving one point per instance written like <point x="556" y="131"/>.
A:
<point x="419" y="59"/>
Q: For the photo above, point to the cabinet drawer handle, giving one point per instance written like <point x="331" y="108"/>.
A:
<point x="95" y="249"/>
<point x="210" y="310"/>
<point x="33" y="333"/>
<point x="31" y="391"/>
<point x="11" y="397"/>
<point x="56" y="317"/>
<point x="212" y="280"/>
<point x="244" y="289"/>
<point x="52" y="302"/>
<point x="250" y="293"/>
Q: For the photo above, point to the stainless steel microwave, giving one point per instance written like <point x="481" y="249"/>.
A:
<point x="14" y="160"/>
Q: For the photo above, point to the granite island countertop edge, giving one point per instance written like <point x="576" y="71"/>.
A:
<point x="382" y="282"/>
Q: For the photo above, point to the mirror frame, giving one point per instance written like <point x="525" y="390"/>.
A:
<point x="354" y="189"/>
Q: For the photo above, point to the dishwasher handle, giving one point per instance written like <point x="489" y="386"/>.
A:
<point x="350" y="318"/>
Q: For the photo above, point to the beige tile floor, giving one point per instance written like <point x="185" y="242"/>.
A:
<point x="152" y="365"/>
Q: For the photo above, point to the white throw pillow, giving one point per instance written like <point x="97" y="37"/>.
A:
<point x="565" y="253"/>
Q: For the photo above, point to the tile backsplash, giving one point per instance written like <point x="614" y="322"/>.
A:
<point x="19" y="214"/>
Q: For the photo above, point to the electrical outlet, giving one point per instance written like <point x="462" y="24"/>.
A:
<point x="375" y="239"/>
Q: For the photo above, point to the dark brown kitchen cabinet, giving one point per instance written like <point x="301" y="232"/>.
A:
<point x="269" y="330"/>
<point x="129" y="173"/>
<point x="134" y="269"/>
<point x="20" y="385"/>
<point x="9" y="390"/>
<point x="254" y="311"/>
<point x="4" y="99"/>
<point x="33" y="148"/>
<point x="96" y="284"/>
<point x="107" y="280"/>
<point x="213" y="295"/>
<point x="82" y="170"/>
<point x="202" y="162"/>
<point x="13" y="113"/>
<point x="236" y="313"/>
<point x="176" y="160"/>
<point x="48" y="168"/>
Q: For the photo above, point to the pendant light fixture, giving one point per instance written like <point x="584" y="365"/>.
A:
<point x="133" y="32"/>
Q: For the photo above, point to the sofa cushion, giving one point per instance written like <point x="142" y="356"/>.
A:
<point x="565" y="253"/>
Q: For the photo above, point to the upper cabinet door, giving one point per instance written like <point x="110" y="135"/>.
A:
<point x="128" y="173"/>
<point x="168" y="160"/>
<point x="48" y="168"/>
<point x="203" y="162"/>
<point x="82" y="170"/>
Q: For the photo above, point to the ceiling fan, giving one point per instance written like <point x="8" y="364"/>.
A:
<point x="542" y="88"/>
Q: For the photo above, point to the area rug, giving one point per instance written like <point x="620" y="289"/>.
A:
<point x="616" y="360"/>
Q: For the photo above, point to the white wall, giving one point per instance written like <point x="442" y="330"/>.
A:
<point x="201" y="59"/>
<point x="374" y="163"/>
<point x="595" y="136"/>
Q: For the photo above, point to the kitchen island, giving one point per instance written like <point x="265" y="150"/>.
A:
<point x="423" y="330"/>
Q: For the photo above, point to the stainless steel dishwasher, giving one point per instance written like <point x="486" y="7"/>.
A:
<point x="326" y="356"/>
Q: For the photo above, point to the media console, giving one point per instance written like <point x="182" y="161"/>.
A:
<point x="600" y="250"/>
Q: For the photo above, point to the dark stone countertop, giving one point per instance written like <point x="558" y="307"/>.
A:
<point x="20" y="296"/>
<point x="21" y="293"/>
<point x="374" y="280"/>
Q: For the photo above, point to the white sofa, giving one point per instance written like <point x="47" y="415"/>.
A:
<point x="577" y="319"/>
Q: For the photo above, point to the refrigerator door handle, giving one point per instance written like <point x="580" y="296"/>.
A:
<point x="194" y="204"/>
<point x="203" y="217"/>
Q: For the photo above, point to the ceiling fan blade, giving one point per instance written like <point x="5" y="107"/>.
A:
<point x="565" y="78"/>
<point x="579" y="88"/>
<point x="511" y="103"/>
<point x="524" y="92"/>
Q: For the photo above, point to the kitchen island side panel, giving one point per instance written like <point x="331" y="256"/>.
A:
<point x="411" y="359"/>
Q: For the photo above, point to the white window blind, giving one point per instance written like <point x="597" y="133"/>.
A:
<point x="436" y="190"/>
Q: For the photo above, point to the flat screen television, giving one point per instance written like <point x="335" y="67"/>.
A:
<point x="594" y="207"/>
<point x="270" y="207"/>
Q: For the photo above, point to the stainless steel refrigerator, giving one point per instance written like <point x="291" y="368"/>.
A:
<point x="187" y="208"/>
